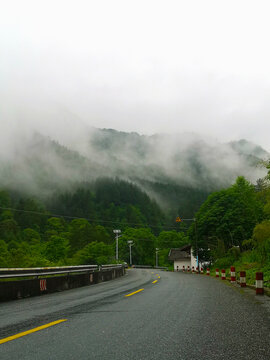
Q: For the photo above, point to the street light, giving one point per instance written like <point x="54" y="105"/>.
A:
<point x="130" y="244"/>
<point x="196" y="237"/>
<point x="157" y="250"/>
<point x="116" y="232"/>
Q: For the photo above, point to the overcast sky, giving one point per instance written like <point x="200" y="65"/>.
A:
<point x="145" y="66"/>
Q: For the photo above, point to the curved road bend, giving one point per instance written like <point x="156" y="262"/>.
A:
<point x="175" y="316"/>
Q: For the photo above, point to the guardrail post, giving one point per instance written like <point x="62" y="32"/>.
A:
<point x="193" y="271"/>
<point x="217" y="273"/>
<point x="243" y="279"/>
<point x="188" y="269"/>
<point x="259" y="283"/>
<point x="201" y="270"/>
<point x="223" y="274"/>
<point x="184" y="269"/>
<point x="208" y="271"/>
<point x="233" y="277"/>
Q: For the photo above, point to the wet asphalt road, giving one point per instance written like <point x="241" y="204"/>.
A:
<point x="181" y="316"/>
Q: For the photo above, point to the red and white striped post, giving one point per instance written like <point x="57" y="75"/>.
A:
<point x="201" y="270"/>
<point x="193" y="271"/>
<point x="177" y="268"/>
<point x="259" y="283"/>
<point x="43" y="284"/>
<point x="217" y="272"/>
<point x="188" y="269"/>
<point x="208" y="271"/>
<point x="184" y="269"/>
<point x="197" y="270"/>
<point x="243" y="279"/>
<point x="223" y="274"/>
<point x="233" y="277"/>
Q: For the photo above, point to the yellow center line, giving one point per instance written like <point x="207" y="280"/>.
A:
<point x="154" y="281"/>
<point x="2" y="341"/>
<point x="135" y="292"/>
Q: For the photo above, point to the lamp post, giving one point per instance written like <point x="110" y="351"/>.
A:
<point x="130" y="244"/>
<point x="116" y="232"/>
<point x="157" y="250"/>
<point x="196" y="237"/>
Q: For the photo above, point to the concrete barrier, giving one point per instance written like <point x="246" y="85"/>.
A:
<point x="17" y="289"/>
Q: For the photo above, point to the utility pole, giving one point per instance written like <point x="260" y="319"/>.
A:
<point x="178" y="219"/>
<point x="196" y="238"/>
<point x="130" y="244"/>
<point x="157" y="250"/>
<point x="116" y="232"/>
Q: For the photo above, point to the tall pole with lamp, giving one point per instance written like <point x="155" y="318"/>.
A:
<point x="116" y="232"/>
<point x="157" y="250"/>
<point x="130" y="244"/>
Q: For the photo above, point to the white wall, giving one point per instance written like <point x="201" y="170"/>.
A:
<point x="193" y="260"/>
<point x="187" y="262"/>
<point x="180" y="264"/>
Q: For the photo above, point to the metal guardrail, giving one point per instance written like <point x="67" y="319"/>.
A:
<point x="9" y="273"/>
<point x="150" y="267"/>
<point x="161" y="267"/>
<point x="142" y="266"/>
<point x="111" y="267"/>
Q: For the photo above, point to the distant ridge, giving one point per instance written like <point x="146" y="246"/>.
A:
<point x="178" y="171"/>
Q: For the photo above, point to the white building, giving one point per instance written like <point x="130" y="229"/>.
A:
<point x="182" y="256"/>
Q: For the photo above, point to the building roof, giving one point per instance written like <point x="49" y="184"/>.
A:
<point x="180" y="253"/>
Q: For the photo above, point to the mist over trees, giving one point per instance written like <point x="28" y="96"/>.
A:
<point x="177" y="171"/>
<point x="60" y="204"/>
<point x="78" y="228"/>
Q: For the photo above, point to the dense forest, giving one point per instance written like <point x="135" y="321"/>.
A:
<point x="77" y="227"/>
<point x="57" y="206"/>
<point x="233" y="227"/>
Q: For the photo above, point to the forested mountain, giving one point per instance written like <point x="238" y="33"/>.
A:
<point x="178" y="171"/>
<point x="60" y="204"/>
<point x="77" y="227"/>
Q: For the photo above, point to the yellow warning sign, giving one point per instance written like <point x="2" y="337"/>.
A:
<point x="178" y="219"/>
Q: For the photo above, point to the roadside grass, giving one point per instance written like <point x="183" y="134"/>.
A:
<point x="248" y="262"/>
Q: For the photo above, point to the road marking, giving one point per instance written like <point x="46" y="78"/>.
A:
<point x="158" y="277"/>
<point x="2" y="341"/>
<point x="154" y="281"/>
<point x="152" y="272"/>
<point x="135" y="292"/>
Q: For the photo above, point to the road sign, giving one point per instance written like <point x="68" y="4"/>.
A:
<point x="178" y="219"/>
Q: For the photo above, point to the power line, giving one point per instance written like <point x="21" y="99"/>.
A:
<point x="91" y="220"/>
